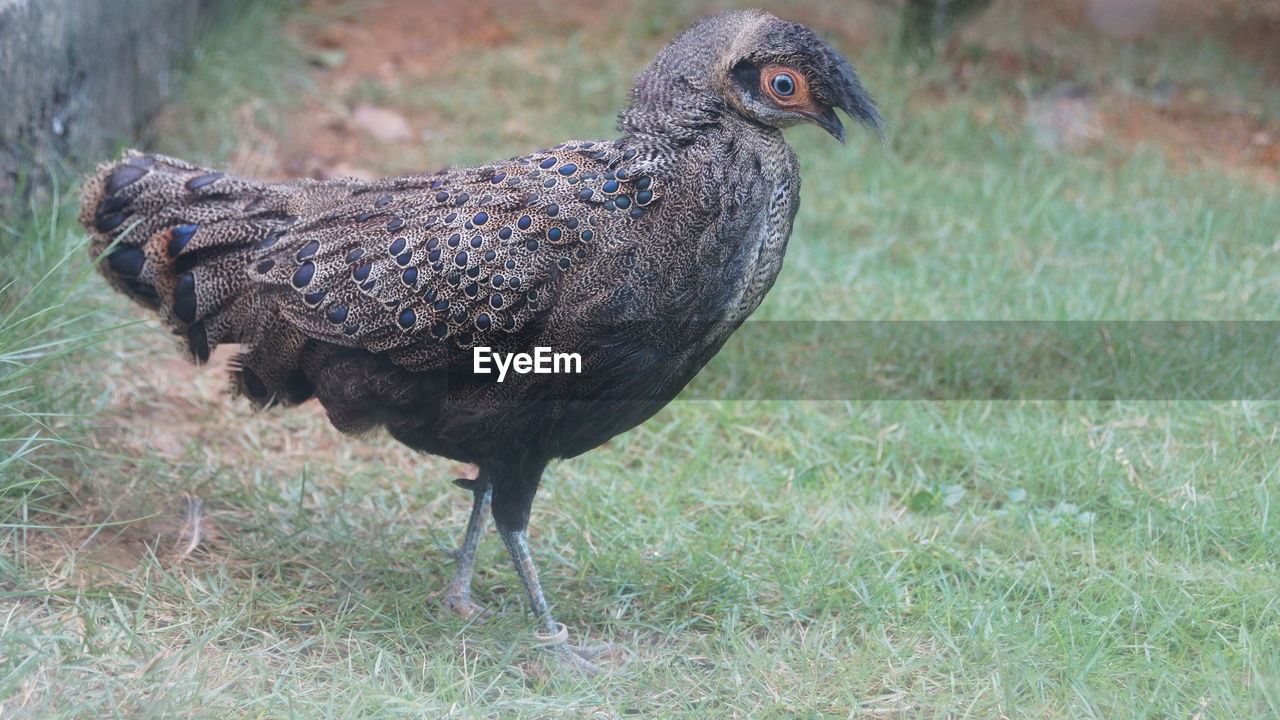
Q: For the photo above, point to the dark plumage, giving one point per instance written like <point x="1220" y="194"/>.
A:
<point x="642" y="254"/>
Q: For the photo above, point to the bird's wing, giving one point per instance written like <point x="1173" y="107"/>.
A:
<point x="424" y="265"/>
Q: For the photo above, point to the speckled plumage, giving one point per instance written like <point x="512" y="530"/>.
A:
<point x="642" y="254"/>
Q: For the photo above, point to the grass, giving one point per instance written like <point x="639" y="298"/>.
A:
<point x="758" y="559"/>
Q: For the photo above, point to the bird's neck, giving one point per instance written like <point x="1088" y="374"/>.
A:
<point x="667" y="135"/>
<point x="665" y="116"/>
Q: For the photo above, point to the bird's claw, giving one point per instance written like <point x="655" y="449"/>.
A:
<point x="592" y="652"/>
<point x="462" y="606"/>
<point x="579" y="659"/>
<point x="583" y="659"/>
<point x="570" y="658"/>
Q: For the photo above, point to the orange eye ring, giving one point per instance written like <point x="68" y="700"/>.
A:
<point x="776" y="79"/>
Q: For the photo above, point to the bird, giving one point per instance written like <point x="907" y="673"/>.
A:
<point x="639" y="255"/>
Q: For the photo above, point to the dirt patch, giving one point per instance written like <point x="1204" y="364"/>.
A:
<point x="1259" y="42"/>
<point x="1195" y="135"/>
<point x="394" y="44"/>
<point x="400" y="39"/>
<point x="1250" y="27"/>
<point x="1196" y="124"/>
<point x="1189" y="128"/>
<point x="110" y="540"/>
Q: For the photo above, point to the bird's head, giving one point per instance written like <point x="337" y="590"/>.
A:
<point x="769" y="71"/>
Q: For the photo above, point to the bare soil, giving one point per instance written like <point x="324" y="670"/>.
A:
<point x="399" y="43"/>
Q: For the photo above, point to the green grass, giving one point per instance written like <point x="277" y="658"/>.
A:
<point x="46" y="324"/>
<point x="758" y="559"/>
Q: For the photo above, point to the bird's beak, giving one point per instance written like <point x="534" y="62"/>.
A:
<point x="829" y="121"/>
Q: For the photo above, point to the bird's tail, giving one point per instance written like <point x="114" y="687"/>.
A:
<point x="178" y="238"/>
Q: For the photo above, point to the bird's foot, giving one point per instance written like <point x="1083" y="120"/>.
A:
<point x="578" y="659"/>
<point x="460" y="604"/>
<point x="570" y="658"/>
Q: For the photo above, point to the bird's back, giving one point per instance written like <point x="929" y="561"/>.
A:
<point x="373" y="296"/>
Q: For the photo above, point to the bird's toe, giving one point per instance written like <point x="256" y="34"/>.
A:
<point x="582" y="659"/>
<point x="606" y="651"/>
<point x="587" y="660"/>
<point x="464" y="608"/>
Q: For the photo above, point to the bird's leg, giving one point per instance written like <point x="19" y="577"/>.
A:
<point x="458" y="599"/>
<point x="553" y="634"/>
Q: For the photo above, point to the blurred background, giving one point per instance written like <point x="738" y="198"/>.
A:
<point x="165" y="551"/>
<point x="388" y="86"/>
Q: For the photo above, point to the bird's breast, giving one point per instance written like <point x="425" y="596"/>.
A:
<point x="755" y="232"/>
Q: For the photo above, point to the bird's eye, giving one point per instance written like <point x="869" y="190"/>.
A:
<point x="784" y="84"/>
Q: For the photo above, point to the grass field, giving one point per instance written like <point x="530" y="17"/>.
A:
<point x="757" y="559"/>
